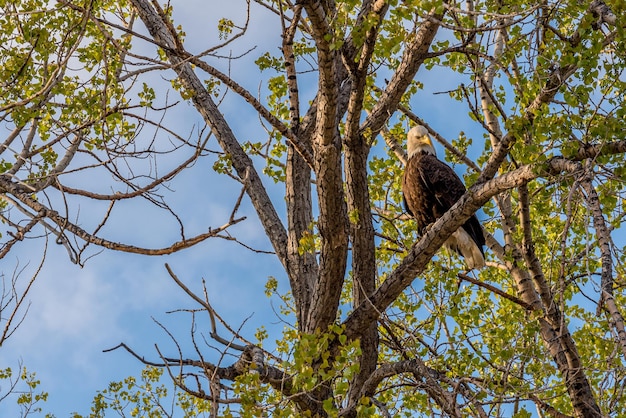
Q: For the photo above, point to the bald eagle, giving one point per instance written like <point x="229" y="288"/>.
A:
<point x="430" y="188"/>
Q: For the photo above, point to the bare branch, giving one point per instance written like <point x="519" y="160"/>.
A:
<point x="7" y="186"/>
<point x="202" y="100"/>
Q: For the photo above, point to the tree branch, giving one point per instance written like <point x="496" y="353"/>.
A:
<point x="332" y="220"/>
<point x="414" y="55"/>
<point x="421" y="253"/>
<point x="603" y="237"/>
<point x="24" y="196"/>
<point x="155" y="23"/>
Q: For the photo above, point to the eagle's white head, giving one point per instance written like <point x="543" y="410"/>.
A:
<point x="418" y="140"/>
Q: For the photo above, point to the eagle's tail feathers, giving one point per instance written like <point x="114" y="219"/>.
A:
<point x="461" y="242"/>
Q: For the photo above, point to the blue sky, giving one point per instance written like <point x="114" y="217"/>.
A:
<point x="75" y="313"/>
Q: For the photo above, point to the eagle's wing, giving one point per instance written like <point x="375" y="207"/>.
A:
<point x="441" y="182"/>
<point x="406" y="205"/>
<point x="447" y="188"/>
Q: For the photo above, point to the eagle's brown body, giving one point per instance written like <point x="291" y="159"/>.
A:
<point x="430" y="188"/>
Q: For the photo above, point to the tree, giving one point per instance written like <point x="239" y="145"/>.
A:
<point x="376" y="325"/>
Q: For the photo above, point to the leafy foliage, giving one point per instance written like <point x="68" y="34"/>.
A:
<point x="534" y="107"/>
<point x="24" y="390"/>
<point x="146" y="396"/>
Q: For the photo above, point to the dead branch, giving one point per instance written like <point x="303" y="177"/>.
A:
<point x="212" y="314"/>
<point x="7" y="186"/>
